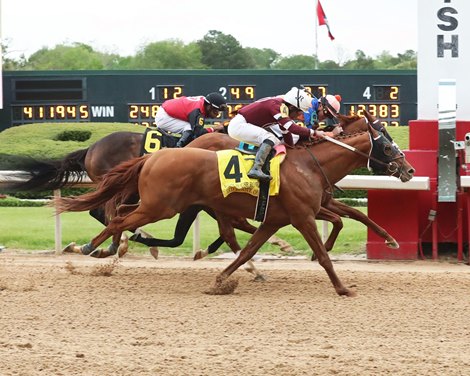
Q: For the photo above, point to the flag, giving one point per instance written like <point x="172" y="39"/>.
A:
<point x="322" y="20"/>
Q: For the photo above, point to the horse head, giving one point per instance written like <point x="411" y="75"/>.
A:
<point x="386" y="158"/>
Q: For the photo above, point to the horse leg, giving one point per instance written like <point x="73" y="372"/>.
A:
<point x="349" y="212"/>
<point x="326" y="215"/>
<point x="308" y="228"/>
<point x="99" y="215"/>
<point x="120" y="224"/>
<point x="261" y="235"/>
<point x="228" y="234"/>
<point x="242" y="224"/>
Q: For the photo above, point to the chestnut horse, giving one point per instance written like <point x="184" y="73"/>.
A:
<point x="307" y="172"/>
<point x="331" y="210"/>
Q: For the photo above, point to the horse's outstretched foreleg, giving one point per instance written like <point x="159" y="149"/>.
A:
<point x="228" y="234"/>
<point x="261" y="235"/>
<point x="308" y="228"/>
<point x="350" y="212"/>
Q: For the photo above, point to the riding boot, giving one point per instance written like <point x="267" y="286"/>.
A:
<point x="261" y="155"/>
<point x="186" y="138"/>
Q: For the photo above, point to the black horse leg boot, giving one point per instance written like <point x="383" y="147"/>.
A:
<point x="263" y="152"/>
<point x="186" y="138"/>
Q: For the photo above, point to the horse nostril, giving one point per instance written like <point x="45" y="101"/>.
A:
<point x="411" y="171"/>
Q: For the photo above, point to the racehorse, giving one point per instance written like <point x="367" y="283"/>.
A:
<point x="95" y="161"/>
<point x="120" y="146"/>
<point x="308" y="171"/>
<point x="331" y="210"/>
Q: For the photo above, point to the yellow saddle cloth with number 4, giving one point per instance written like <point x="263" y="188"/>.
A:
<point x="233" y="173"/>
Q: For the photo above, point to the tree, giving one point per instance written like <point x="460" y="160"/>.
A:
<point x="221" y="51"/>
<point x="8" y="63"/>
<point x="262" y="58"/>
<point x="62" y="57"/>
<point x="362" y="62"/>
<point x="168" y="54"/>
<point x="296" y="62"/>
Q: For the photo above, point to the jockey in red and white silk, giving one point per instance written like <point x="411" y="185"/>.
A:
<point x="186" y="115"/>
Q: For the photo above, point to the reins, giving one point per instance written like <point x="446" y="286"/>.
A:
<point x="330" y="192"/>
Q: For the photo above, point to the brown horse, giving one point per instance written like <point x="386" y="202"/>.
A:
<point x="121" y="146"/>
<point x="331" y="210"/>
<point x="95" y="161"/>
<point x="307" y="172"/>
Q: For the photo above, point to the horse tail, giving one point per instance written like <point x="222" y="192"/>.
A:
<point x="117" y="185"/>
<point x="48" y="174"/>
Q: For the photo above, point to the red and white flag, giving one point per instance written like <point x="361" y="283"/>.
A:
<point x="322" y="20"/>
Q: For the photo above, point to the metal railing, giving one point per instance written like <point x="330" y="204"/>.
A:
<point x="420" y="183"/>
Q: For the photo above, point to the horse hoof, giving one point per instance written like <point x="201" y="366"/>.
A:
<point x="71" y="248"/>
<point x="347" y="292"/>
<point x="123" y="245"/>
<point x="223" y="288"/>
<point x="259" y="278"/>
<point x="154" y="252"/>
<point x="200" y="255"/>
<point x="392" y="244"/>
<point x="99" y="253"/>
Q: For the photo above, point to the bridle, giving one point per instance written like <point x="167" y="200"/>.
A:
<point x="392" y="167"/>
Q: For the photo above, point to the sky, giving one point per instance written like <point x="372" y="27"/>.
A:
<point x="288" y="28"/>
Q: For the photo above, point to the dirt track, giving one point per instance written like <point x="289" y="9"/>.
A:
<point x="61" y="316"/>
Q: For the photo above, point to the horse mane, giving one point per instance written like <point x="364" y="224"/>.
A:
<point x="306" y="143"/>
<point x="347" y="119"/>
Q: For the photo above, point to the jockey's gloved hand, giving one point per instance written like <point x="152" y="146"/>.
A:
<point x="337" y="130"/>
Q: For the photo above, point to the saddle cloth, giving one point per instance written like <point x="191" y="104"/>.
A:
<point x="233" y="169"/>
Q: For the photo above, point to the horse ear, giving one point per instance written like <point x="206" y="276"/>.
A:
<point x="372" y="131"/>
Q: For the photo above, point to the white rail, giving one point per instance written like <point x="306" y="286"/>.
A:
<point x="349" y="182"/>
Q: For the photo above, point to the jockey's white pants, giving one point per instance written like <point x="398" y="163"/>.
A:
<point x="170" y="124"/>
<point x="240" y="130"/>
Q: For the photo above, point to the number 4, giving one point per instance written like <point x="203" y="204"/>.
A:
<point x="232" y="171"/>
<point x="366" y="93"/>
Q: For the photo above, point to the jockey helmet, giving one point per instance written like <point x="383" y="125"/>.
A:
<point x="331" y="104"/>
<point x="298" y="98"/>
<point x="216" y="100"/>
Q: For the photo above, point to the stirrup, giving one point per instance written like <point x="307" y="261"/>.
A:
<point x="259" y="175"/>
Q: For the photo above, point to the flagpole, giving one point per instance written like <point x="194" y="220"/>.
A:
<point x="316" y="35"/>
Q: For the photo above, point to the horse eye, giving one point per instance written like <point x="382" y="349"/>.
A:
<point x="388" y="151"/>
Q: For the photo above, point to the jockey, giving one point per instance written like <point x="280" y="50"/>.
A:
<point x="250" y="124"/>
<point x="325" y="107"/>
<point x="186" y="115"/>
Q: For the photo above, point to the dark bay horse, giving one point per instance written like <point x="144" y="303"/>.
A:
<point x="307" y="172"/>
<point x="95" y="161"/>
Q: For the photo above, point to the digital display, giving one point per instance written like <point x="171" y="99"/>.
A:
<point x="165" y="92"/>
<point x="135" y="96"/>
<point x="242" y="93"/>
<point x="232" y="108"/>
<point x="142" y="113"/>
<point x="50" y="112"/>
<point x="317" y="90"/>
<point x="386" y="93"/>
<point x="388" y="113"/>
